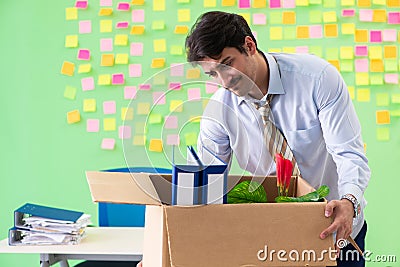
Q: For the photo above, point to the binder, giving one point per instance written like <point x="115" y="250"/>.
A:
<point x="21" y="237"/>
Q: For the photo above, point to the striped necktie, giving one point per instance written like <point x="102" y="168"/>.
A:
<point x="275" y="140"/>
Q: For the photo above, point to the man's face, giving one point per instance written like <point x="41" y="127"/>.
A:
<point x="233" y="70"/>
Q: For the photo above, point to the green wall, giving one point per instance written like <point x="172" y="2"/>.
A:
<point x="43" y="158"/>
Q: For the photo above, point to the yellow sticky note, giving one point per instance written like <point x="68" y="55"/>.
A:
<point x="89" y="105"/>
<point x="159" y="79"/>
<point x="274" y="50"/>
<point x="289" y="17"/>
<point x="275" y="33"/>
<point x="137" y="2"/>
<point x="105" y="11"/>
<point x="109" y="124"/>
<point x="176" y="106"/>
<point x="181" y="29"/>
<point x="107" y="60"/>
<point x="210" y="3"/>
<point x="376" y="65"/>
<point x="382" y="117"/>
<point x="158" y="5"/>
<point x="331" y="30"/>
<point x="191" y="139"/>
<point x="363" y="95"/>
<point x="104" y="79"/>
<point x="361" y="36"/>
<point x="139" y="140"/>
<point x="364" y="3"/>
<point x="346" y="52"/>
<point x="362" y="78"/>
<point x="158" y="63"/>
<point x="375" y="52"/>
<point x="379" y="2"/>
<point x="329" y="17"/>
<point x="302" y="3"/>
<point x="302" y="32"/>
<point x="246" y="17"/>
<point x="71" y="13"/>
<point x="105" y="25"/>
<point x="121" y="40"/>
<point x="259" y="3"/>
<point x="156" y="145"/>
<point x="159" y="45"/>
<point x="126" y="114"/>
<point x="290" y="50"/>
<point x="393" y="3"/>
<point x="193" y="73"/>
<point x="379" y="15"/>
<point x="71" y="41"/>
<point x="183" y="15"/>
<point x="143" y="108"/>
<point x="84" y="68"/>
<point x="68" y="68"/>
<point x="176" y="50"/>
<point x="347" y="2"/>
<point x="137" y="29"/>
<point x="228" y="2"/>
<point x="348" y="28"/>
<point x="121" y="59"/>
<point x="351" y="90"/>
<point x="390" y="51"/>
<point x="73" y="116"/>
<point x="140" y="128"/>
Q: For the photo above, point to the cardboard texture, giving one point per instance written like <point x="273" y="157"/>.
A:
<point x="222" y="234"/>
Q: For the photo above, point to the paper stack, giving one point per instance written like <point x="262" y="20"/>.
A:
<point x="41" y="225"/>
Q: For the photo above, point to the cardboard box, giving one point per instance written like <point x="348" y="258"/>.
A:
<point x="260" y="234"/>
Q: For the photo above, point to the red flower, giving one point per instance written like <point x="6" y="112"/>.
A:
<point x="284" y="170"/>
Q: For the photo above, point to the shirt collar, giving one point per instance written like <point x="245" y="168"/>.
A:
<point x="275" y="83"/>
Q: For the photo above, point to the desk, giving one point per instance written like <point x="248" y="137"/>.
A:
<point x="101" y="243"/>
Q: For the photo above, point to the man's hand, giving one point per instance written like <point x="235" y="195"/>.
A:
<point x="140" y="264"/>
<point x="343" y="213"/>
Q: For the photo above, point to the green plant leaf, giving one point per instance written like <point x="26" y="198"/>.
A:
<point x="323" y="191"/>
<point x="247" y="192"/>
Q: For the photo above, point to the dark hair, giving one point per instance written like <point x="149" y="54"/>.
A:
<point x="215" y="30"/>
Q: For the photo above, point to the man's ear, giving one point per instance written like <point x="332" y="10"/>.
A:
<point x="249" y="45"/>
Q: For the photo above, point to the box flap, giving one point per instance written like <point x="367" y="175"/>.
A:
<point x="249" y="235"/>
<point x="118" y="187"/>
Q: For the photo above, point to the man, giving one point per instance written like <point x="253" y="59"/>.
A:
<point x="310" y="106"/>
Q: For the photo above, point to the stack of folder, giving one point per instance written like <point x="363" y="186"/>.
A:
<point x="42" y="225"/>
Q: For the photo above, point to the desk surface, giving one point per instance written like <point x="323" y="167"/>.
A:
<point x="99" y="240"/>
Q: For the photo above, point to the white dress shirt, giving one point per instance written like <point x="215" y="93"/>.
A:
<point x="313" y="110"/>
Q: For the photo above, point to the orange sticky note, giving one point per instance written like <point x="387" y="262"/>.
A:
<point x="158" y="63"/>
<point x="181" y="29"/>
<point x="376" y="65"/>
<point x="73" y="116"/>
<point x="105" y="11"/>
<point x="228" y="2"/>
<point x="382" y="117"/>
<point x="107" y="60"/>
<point x="361" y="36"/>
<point x="289" y="17"/>
<point x="335" y="63"/>
<point x="68" y="68"/>
<point x="302" y="32"/>
<point x="390" y="51"/>
<point x="137" y="29"/>
<point x="331" y="30"/>
<point x="193" y="73"/>
<point x="138" y="2"/>
<point x="393" y="3"/>
<point x="379" y="15"/>
<point x="364" y="3"/>
<point x="259" y="3"/>
<point x="156" y="145"/>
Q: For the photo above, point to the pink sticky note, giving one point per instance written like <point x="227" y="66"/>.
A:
<point x="122" y="25"/>
<point x="389" y="35"/>
<point x="259" y="19"/>
<point x="108" y="143"/>
<point x="118" y="78"/>
<point x="83" y="54"/>
<point x="394" y="18"/>
<point x="130" y="92"/>
<point x="106" y="2"/>
<point x="366" y="15"/>
<point x="135" y="70"/>
<point x="85" y="26"/>
<point x="361" y="50"/>
<point x="144" y="87"/>
<point x="177" y="69"/>
<point x="375" y="36"/>
<point x="81" y="4"/>
<point x="171" y="122"/>
<point x="289" y="4"/>
<point x="138" y="15"/>
<point x="159" y="98"/>
<point x="211" y="88"/>
<point x="361" y="65"/>
<point x="124" y="132"/>
<point x="348" y="12"/>
<point x="302" y="49"/>
<point x="136" y="49"/>
<point x="392" y="78"/>
<point x="275" y="3"/>
<point x="244" y="3"/>
<point x="194" y="94"/>
<point x="87" y="83"/>
<point x="123" y="6"/>
<point x="92" y="125"/>
<point x="174" y="86"/>
<point x="109" y="107"/>
<point x="106" y="44"/>
<point x="173" y="139"/>
<point x="315" y="31"/>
